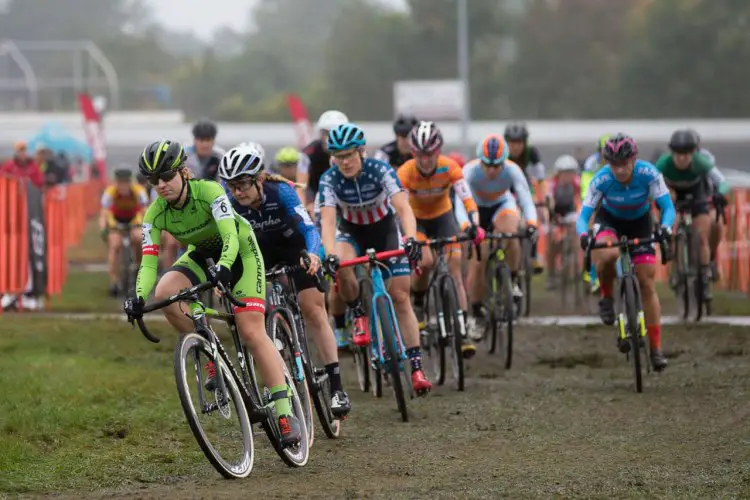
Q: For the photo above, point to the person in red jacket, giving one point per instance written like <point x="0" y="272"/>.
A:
<point x="23" y="166"/>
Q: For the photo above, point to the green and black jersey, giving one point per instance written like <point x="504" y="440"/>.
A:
<point x="699" y="178"/>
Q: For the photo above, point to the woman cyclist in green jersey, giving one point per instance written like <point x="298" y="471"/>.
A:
<point x="198" y="214"/>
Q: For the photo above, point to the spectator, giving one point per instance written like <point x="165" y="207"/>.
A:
<point x="54" y="172"/>
<point x="22" y="166"/>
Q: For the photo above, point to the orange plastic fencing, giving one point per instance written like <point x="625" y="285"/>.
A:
<point x="14" y="236"/>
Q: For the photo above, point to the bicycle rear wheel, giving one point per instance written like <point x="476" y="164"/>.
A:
<point x="453" y="328"/>
<point x="632" y="312"/>
<point x="393" y="363"/>
<point x="696" y="273"/>
<point x="435" y="342"/>
<point x="491" y="305"/>
<point x="216" y="407"/>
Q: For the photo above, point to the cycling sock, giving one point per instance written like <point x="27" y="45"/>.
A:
<point x="334" y="375"/>
<point x="356" y="307"/>
<point x="476" y="310"/>
<point x="340" y="321"/>
<point x="415" y="358"/>
<point x="606" y="289"/>
<point x="280" y="398"/>
<point x="654" y="336"/>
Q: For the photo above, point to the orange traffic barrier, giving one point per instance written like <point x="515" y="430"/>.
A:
<point x="57" y="221"/>
<point x="14" y="236"/>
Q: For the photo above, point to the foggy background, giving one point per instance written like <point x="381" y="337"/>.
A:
<point x="237" y="60"/>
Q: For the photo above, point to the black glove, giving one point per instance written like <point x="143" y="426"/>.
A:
<point x="331" y="265"/>
<point x="133" y="307"/>
<point x="585" y="241"/>
<point x="664" y="234"/>
<point x="220" y="276"/>
<point x="720" y="201"/>
<point x="413" y="250"/>
<point x="472" y="232"/>
<point x="532" y="232"/>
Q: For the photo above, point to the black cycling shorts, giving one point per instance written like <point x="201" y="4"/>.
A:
<point x="642" y="227"/>
<point x="380" y="236"/>
<point x="273" y="256"/>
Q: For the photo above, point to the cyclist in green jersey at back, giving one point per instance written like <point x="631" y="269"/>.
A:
<point x="688" y="172"/>
<point x="198" y="214"/>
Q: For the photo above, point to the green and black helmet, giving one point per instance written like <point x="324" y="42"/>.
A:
<point x="160" y="157"/>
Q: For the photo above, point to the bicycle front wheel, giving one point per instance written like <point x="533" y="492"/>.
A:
<point x="393" y="363"/>
<point x="524" y="276"/>
<point x="453" y="327"/>
<point x="633" y="313"/>
<point x="362" y="354"/>
<point x="505" y="306"/>
<point x="218" y="419"/>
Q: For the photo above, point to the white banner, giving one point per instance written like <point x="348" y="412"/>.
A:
<point x="429" y="99"/>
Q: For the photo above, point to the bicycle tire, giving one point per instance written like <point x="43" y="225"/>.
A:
<point x="506" y="301"/>
<point x="682" y="266"/>
<point x="436" y="344"/>
<point x="525" y="276"/>
<point x="629" y="296"/>
<point x="279" y="328"/>
<point x="182" y="350"/>
<point x="450" y="313"/>
<point x="491" y="304"/>
<point x="695" y="266"/>
<point x="565" y="269"/>
<point x="361" y="355"/>
<point x="392" y="356"/>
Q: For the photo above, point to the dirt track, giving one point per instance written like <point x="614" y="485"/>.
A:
<point x="564" y="422"/>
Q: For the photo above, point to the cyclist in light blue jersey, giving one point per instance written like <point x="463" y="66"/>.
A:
<point x="491" y="177"/>
<point x="623" y="191"/>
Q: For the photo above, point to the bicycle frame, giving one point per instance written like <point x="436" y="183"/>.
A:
<point x="290" y="309"/>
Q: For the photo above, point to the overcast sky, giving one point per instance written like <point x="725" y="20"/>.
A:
<point x="203" y="16"/>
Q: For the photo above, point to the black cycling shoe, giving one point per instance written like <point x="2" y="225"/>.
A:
<point x="289" y="431"/>
<point x="658" y="360"/>
<point x="340" y="406"/>
<point x="607" y="310"/>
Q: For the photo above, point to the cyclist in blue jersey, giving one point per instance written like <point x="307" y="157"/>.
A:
<point x="492" y="179"/>
<point x="365" y="192"/>
<point x="284" y="232"/>
<point x="623" y="191"/>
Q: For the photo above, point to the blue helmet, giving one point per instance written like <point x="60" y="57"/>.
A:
<point x="346" y="136"/>
<point x="492" y="150"/>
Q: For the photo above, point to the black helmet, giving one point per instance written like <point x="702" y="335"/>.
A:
<point x="516" y="132"/>
<point x="403" y="125"/>
<point x="683" y="141"/>
<point x="161" y="156"/>
<point x="620" y="147"/>
<point x="204" y="129"/>
<point x="697" y="137"/>
<point x="123" y="174"/>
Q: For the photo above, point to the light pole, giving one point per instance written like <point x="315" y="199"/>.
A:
<point x="463" y="72"/>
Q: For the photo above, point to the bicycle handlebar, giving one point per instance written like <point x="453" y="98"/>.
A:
<point x="458" y="238"/>
<point x="623" y="242"/>
<point x="689" y="202"/>
<point x="186" y="294"/>
<point x="286" y="269"/>
<point x="372" y="256"/>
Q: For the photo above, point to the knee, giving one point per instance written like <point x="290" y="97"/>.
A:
<point x="313" y="309"/>
<point x="400" y="296"/>
<point x="251" y="325"/>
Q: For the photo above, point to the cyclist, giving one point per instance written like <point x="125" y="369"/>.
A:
<point x="688" y="172"/>
<point x="284" y="232"/>
<point x="428" y="179"/>
<point x="564" y="192"/>
<point x="398" y="151"/>
<point x="204" y="155"/>
<point x="200" y="215"/>
<point x="591" y="166"/>
<point x="315" y="159"/>
<point x="705" y="152"/>
<point x="123" y="203"/>
<point x="491" y="177"/>
<point x="625" y="188"/>
<point x="528" y="158"/>
<point x="366" y="192"/>
<point x="286" y="160"/>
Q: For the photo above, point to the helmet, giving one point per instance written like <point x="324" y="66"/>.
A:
<point x="250" y="144"/>
<point x="403" y="125"/>
<point x="245" y="159"/>
<point x="492" y="150"/>
<point x="346" y="136"/>
<point x="204" y="129"/>
<point x="123" y="174"/>
<point x="287" y="155"/>
<point x="331" y="119"/>
<point x="620" y="147"/>
<point x="516" y="132"/>
<point x="683" y="140"/>
<point x="566" y="163"/>
<point x="697" y="137"/>
<point x="457" y="157"/>
<point x="425" y="137"/>
<point x="602" y="141"/>
<point x="161" y="156"/>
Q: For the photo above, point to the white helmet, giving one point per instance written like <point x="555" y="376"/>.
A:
<point x="250" y="144"/>
<point x="566" y="163"/>
<point x="245" y="159"/>
<point x="331" y="119"/>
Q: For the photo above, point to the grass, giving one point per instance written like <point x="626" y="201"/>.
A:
<point x="91" y="249"/>
<point x="86" y="292"/>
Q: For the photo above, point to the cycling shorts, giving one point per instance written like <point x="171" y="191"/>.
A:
<point x="248" y="271"/>
<point x="273" y="256"/>
<point x="701" y="193"/>
<point x="642" y="227"/>
<point x="487" y="215"/>
<point x="442" y="226"/>
<point x="381" y="236"/>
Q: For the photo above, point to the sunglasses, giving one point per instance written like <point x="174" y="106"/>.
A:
<point x="242" y="185"/>
<point x="164" y="176"/>
<point x="490" y="165"/>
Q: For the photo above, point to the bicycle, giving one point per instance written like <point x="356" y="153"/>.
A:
<point x="631" y="326"/>
<point x="127" y="265"/>
<point x="445" y="325"/>
<point x="499" y="302"/>
<point x="563" y="236"/>
<point x="285" y="325"/>
<point x="685" y="273"/>
<point x="526" y="270"/>
<point x="239" y="388"/>
<point x="387" y="353"/>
